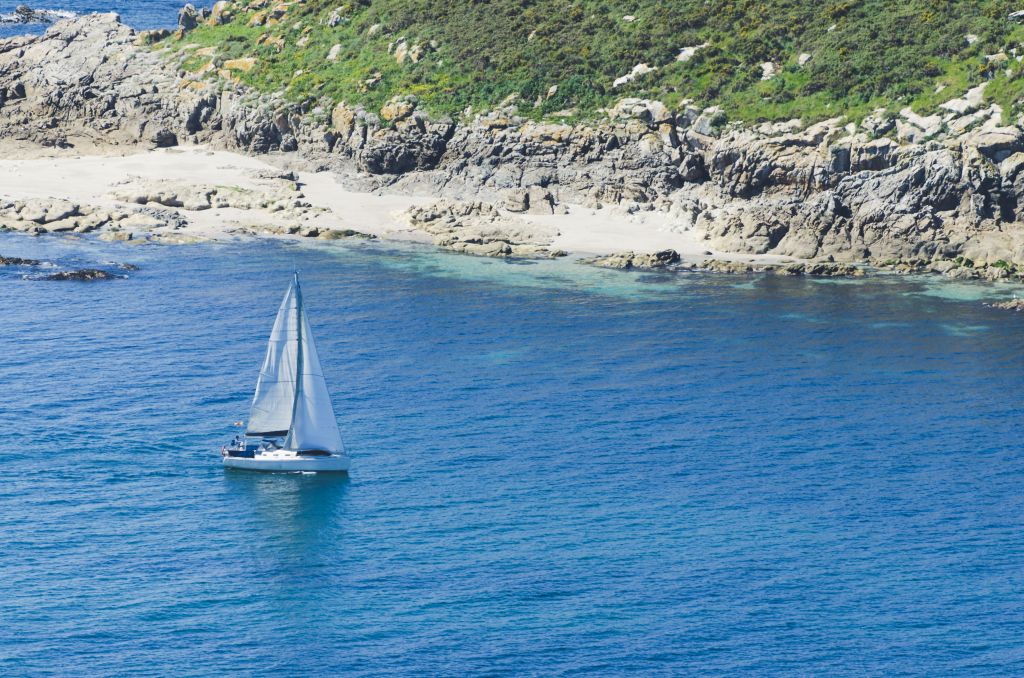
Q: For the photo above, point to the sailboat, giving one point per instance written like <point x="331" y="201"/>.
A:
<point x="291" y="426"/>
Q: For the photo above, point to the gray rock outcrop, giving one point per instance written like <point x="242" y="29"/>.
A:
<point x="900" y="186"/>
<point x="481" y="228"/>
<point x="48" y="215"/>
<point x="632" y="260"/>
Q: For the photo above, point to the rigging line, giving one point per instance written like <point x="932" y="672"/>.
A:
<point x="298" y="358"/>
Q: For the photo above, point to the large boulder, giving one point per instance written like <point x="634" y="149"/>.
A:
<point x="398" y="108"/>
<point x="188" y="18"/>
<point x="634" y="260"/>
<point x="343" y="119"/>
<point x="221" y="13"/>
<point x="997" y="143"/>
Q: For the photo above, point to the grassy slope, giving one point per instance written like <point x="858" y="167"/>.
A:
<point x="865" y="53"/>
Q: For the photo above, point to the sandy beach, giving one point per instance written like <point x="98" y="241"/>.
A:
<point x="103" y="180"/>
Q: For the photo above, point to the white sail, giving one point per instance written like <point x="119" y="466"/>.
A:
<point x="291" y="394"/>
<point x="314" y="426"/>
<point x="272" y="406"/>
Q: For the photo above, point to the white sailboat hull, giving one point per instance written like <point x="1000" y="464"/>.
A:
<point x="285" y="461"/>
<point x="291" y="403"/>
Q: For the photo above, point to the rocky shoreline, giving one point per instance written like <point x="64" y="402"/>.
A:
<point x="37" y="269"/>
<point x="160" y="212"/>
<point x="903" y="193"/>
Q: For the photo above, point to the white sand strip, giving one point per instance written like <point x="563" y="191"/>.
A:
<point x="31" y="172"/>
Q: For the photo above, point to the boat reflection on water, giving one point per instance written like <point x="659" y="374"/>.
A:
<point x="297" y="507"/>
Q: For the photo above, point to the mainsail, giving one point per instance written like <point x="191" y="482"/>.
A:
<point x="291" y="394"/>
<point x="271" y="412"/>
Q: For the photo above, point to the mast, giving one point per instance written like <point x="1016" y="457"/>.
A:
<point x="313" y="426"/>
<point x="298" y="356"/>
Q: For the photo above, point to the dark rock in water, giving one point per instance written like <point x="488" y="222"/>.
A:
<point x="23" y="14"/>
<point x="825" y="269"/>
<point x="18" y="261"/>
<point x="726" y="266"/>
<point x="633" y="260"/>
<point x="820" y="268"/>
<point x="128" y="267"/>
<point x="84" y="274"/>
<point x="1011" y="305"/>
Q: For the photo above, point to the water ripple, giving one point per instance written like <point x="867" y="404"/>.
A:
<point x="558" y="470"/>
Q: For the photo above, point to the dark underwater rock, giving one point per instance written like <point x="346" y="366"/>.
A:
<point x="18" y="261"/>
<point x="1011" y="305"/>
<point x="83" y="274"/>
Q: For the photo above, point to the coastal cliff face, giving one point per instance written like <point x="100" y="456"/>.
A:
<point x="892" y="188"/>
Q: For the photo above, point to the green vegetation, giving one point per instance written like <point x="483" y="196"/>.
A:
<point x="863" y="53"/>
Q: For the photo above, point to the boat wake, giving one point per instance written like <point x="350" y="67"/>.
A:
<point x="23" y="14"/>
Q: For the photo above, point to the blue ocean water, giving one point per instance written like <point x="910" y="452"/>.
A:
<point x="557" y="470"/>
<point x="141" y="14"/>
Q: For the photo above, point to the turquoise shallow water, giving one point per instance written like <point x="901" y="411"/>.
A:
<point x="557" y="470"/>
